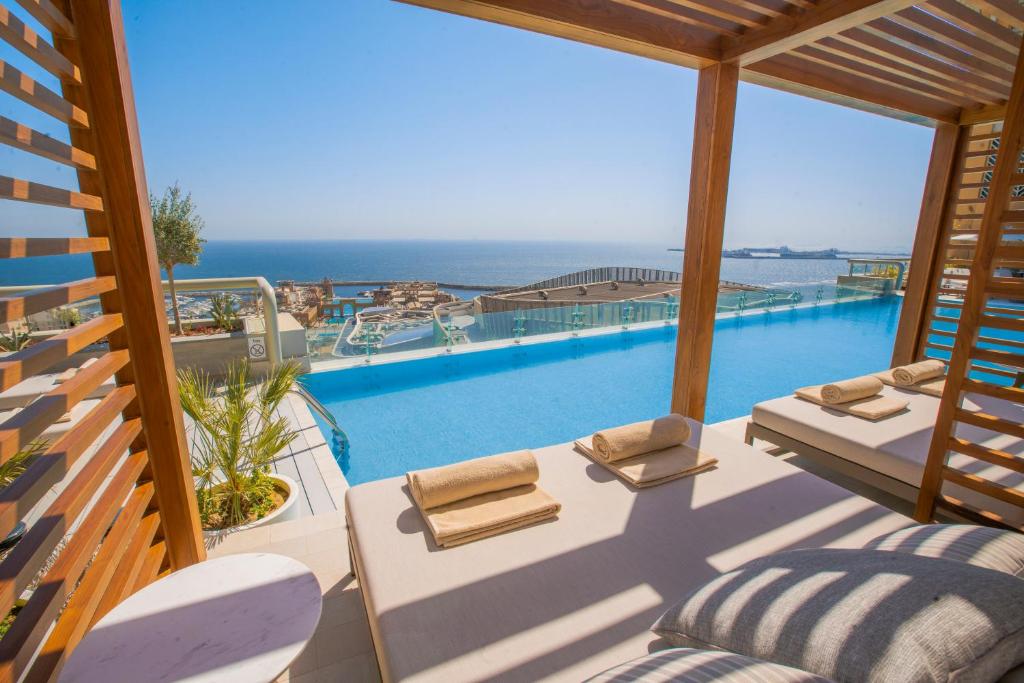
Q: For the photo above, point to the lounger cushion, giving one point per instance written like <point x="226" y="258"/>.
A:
<point x="861" y="615"/>
<point x="686" y="665"/>
<point x="977" y="545"/>
<point x="898" y="446"/>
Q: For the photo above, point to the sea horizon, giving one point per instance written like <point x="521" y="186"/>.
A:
<point x="471" y="262"/>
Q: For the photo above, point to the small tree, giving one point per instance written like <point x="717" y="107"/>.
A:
<point x="176" y="226"/>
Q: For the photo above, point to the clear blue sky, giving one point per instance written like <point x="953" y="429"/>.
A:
<point x="366" y="118"/>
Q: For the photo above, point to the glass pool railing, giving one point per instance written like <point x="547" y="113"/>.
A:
<point x="458" y="324"/>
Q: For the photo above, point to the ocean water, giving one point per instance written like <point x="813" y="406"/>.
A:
<point x="443" y="409"/>
<point x="464" y="262"/>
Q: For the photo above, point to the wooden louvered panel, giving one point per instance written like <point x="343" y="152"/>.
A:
<point x="18" y="499"/>
<point x="18" y="431"/>
<point x="979" y="370"/>
<point x="108" y="500"/>
<point x="18" y="646"/>
<point x="22" y="563"/>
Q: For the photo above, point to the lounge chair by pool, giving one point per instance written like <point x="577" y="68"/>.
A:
<point x="890" y="454"/>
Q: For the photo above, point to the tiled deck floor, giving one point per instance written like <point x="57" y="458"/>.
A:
<point x="341" y="650"/>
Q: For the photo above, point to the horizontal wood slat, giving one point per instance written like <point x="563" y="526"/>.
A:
<point x="990" y="455"/>
<point x="973" y="514"/>
<point x="18" y="431"/>
<point x="994" y="390"/>
<point x="49" y="15"/>
<point x="20" y="643"/>
<point x="26" y="89"/>
<point x="995" y="322"/>
<point x="990" y="422"/>
<point x="127" y="574"/>
<point x="31" y="247"/>
<point x="14" y="134"/>
<point x="56" y="462"/>
<point x="23" y="562"/>
<point x="41" y="356"/>
<point x="1012" y="360"/>
<point x="32" y="45"/>
<point x="984" y="486"/>
<point x="37" y="193"/>
<point x="38" y="300"/>
<point x="77" y="615"/>
<point x="156" y="558"/>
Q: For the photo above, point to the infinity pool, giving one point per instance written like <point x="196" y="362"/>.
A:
<point x="433" y="411"/>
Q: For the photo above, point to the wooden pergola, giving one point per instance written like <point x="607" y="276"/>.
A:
<point x="954" y="65"/>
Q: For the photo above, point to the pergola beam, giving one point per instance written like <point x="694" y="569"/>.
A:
<point x="927" y="256"/>
<point x="791" y="31"/>
<point x="705" y="227"/>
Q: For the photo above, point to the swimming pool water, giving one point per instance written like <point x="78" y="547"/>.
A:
<point x="433" y="411"/>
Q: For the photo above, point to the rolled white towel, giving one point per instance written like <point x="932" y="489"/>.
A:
<point x="906" y="375"/>
<point x="851" y="389"/>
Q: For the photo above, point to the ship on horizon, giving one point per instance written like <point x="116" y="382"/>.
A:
<point x="780" y="253"/>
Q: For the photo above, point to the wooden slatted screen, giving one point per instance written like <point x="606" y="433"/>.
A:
<point x="110" y="495"/>
<point x="984" y="326"/>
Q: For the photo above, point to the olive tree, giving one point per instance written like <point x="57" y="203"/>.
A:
<point x="176" y="226"/>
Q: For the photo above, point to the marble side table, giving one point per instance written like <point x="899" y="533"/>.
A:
<point x="241" y="618"/>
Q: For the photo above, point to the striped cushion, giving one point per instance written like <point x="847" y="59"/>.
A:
<point x="977" y="545"/>
<point x="860" y="615"/>
<point x="683" y="665"/>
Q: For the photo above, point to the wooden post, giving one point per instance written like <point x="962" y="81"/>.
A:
<point x="972" y="313"/>
<point x="705" y="225"/>
<point x="104" y="64"/>
<point x="929" y="243"/>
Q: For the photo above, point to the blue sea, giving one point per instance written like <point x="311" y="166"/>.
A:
<point x="467" y="262"/>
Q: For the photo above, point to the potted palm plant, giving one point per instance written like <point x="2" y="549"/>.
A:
<point x="237" y="436"/>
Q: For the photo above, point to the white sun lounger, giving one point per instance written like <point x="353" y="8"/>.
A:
<point x="569" y="598"/>
<point x="890" y="454"/>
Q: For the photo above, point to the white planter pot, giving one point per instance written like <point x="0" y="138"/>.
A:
<point x="289" y="510"/>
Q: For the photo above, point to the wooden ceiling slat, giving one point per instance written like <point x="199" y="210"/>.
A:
<point x="759" y="6"/>
<point x="724" y="10"/>
<point x="843" y="63"/>
<point x="605" y="24"/>
<point x="1010" y="12"/>
<point x="685" y="15"/>
<point x="790" y="73"/>
<point x="971" y="21"/>
<point x="956" y="90"/>
<point x="20" y="190"/>
<point x="928" y="24"/>
<point x="890" y="29"/>
<point x="969" y="81"/>
<point x="789" y="32"/>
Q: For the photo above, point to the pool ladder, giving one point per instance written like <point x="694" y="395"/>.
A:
<point x="340" y="438"/>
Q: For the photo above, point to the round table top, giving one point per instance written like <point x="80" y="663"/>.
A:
<point x="235" y="618"/>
